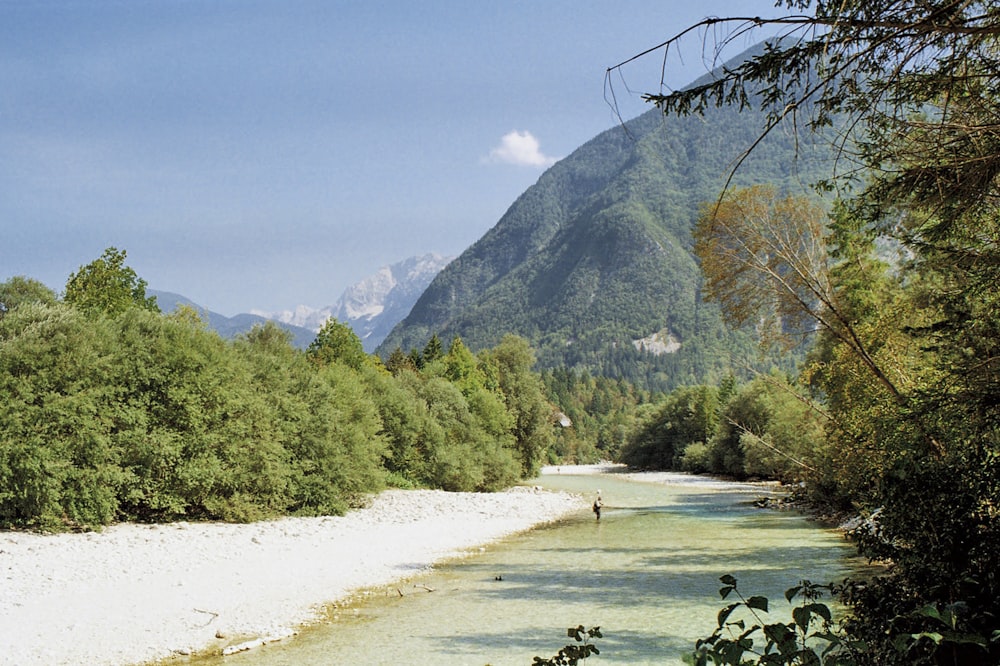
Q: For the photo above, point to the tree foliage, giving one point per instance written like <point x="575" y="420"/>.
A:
<point x="766" y="428"/>
<point x="765" y="261"/>
<point x="524" y="396"/>
<point x="57" y="460"/>
<point x="107" y="286"/>
<point x="337" y="342"/>
<point x="912" y="81"/>
<point x="910" y="392"/>
<point x="687" y="417"/>
<point x="595" y="416"/>
<point x="114" y="411"/>
<point x="20" y="289"/>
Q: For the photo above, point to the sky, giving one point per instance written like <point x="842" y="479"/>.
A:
<point x="265" y="154"/>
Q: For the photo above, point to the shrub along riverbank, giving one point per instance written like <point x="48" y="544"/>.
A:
<point x="114" y="411"/>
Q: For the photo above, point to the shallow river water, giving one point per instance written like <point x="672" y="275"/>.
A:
<point x="647" y="573"/>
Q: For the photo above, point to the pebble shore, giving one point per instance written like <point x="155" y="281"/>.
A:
<point x="134" y="594"/>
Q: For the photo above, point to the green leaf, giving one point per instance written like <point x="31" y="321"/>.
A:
<point x="758" y="602"/>
<point x="964" y="639"/>
<point x="827" y="636"/>
<point x="732" y="653"/>
<point x="801" y="616"/>
<point x="782" y="636"/>
<point x="821" y="610"/>
<point x="725" y="613"/>
<point x="930" y="610"/>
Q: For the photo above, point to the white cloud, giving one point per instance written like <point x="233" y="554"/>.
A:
<point x="522" y="149"/>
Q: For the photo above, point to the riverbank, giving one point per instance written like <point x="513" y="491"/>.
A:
<point x="141" y="593"/>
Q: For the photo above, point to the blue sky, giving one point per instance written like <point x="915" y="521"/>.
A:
<point x="256" y="154"/>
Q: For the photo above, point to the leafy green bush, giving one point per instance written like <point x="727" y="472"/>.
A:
<point x="58" y="466"/>
<point x="114" y="411"/>
<point x="571" y="654"/>
<point x="197" y="440"/>
<point x="695" y="458"/>
<point x="687" y="415"/>
<point x="745" y="637"/>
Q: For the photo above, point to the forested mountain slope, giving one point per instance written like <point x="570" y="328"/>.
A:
<point x="596" y="256"/>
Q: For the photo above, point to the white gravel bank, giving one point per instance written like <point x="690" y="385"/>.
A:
<point x="139" y="593"/>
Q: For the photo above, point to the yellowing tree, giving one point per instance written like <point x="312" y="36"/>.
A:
<point x="766" y="262"/>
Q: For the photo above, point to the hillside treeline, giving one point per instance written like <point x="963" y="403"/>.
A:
<point x="765" y="429"/>
<point x="599" y="412"/>
<point x="115" y="411"/>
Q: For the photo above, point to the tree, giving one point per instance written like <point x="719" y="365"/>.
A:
<point x="766" y="261"/>
<point x="912" y="81"/>
<point x="20" y="289"/>
<point x="524" y="394"/>
<point x="406" y="426"/>
<point x="433" y="350"/>
<point x="399" y="362"/>
<point x="461" y="367"/>
<point x="686" y="417"/>
<point x="911" y="87"/>
<point x="337" y="342"/>
<point x="106" y="285"/>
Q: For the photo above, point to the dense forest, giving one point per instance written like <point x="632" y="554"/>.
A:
<point x="115" y="411"/>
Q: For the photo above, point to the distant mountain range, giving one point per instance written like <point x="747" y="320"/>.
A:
<point x="372" y="307"/>
<point x="227" y="327"/>
<point x="593" y="263"/>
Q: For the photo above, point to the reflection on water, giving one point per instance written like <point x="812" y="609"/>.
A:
<point x="647" y="573"/>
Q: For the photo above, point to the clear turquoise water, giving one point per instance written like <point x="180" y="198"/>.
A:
<point x="647" y="574"/>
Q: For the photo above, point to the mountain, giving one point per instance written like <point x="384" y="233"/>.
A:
<point x="373" y="306"/>
<point x="593" y="263"/>
<point x="229" y="327"/>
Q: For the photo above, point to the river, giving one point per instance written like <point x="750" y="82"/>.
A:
<point x="647" y="573"/>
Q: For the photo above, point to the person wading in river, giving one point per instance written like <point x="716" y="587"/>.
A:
<point x="597" y="505"/>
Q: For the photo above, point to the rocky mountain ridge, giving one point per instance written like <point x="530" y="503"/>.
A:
<point x="374" y="305"/>
<point x="371" y="307"/>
